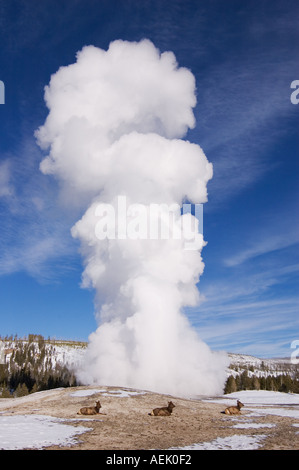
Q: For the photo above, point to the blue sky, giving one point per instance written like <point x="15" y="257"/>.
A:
<point x="244" y="56"/>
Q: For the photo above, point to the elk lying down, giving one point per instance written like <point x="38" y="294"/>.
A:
<point x="90" y="410"/>
<point x="234" y="410"/>
<point x="165" y="411"/>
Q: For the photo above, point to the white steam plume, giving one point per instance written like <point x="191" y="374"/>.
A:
<point x="114" y="128"/>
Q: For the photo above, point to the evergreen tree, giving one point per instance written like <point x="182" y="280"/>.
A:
<point x="21" y="390"/>
<point x="5" y="393"/>
<point x="231" y="385"/>
<point x="255" y="383"/>
<point x="34" y="388"/>
<point x="245" y="381"/>
<point x="263" y="383"/>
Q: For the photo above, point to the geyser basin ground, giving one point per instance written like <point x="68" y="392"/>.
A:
<point x="194" y="423"/>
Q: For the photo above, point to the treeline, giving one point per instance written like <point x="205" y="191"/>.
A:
<point x="34" y="337"/>
<point x="278" y="383"/>
<point x="32" y="367"/>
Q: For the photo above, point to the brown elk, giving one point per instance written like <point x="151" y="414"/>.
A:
<point x="90" y="410"/>
<point x="234" y="410"/>
<point x="164" y="411"/>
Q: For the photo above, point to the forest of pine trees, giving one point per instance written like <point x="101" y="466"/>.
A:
<point x="31" y="368"/>
<point x="278" y="383"/>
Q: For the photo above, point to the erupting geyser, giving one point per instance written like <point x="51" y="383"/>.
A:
<point x="114" y="133"/>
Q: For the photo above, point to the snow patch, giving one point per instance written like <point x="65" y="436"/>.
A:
<point x="85" y="393"/>
<point x="264" y="397"/>
<point x="36" y="431"/>
<point x="121" y="393"/>
<point x="228" y="443"/>
<point x="249" y="425"/>
<point x="283" y="412"/>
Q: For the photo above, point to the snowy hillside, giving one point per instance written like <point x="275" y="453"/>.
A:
<point x="252" y="373"/>
<point x="260" y="367"/>
<point x="34" y="364"/>
<point x="69" y="354"/>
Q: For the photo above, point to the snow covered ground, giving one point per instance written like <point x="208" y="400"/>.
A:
<point x="235" y="442"/>
<point x="36" y="431"/>
<point x="121" y="393"/>
<point x="39" y="431"/>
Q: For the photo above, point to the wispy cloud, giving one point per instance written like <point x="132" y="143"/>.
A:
<point x="250" y="327"/>
<point x="35" y="227"/>
<point x="262" y="247"/>
<point x="251" y="307"/>
<point x="6" y="187"/>
<point x="39" y="250"/>
<point x="242" y="112"/>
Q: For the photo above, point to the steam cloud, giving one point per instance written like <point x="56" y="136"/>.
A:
<point x="115" y="123"/>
